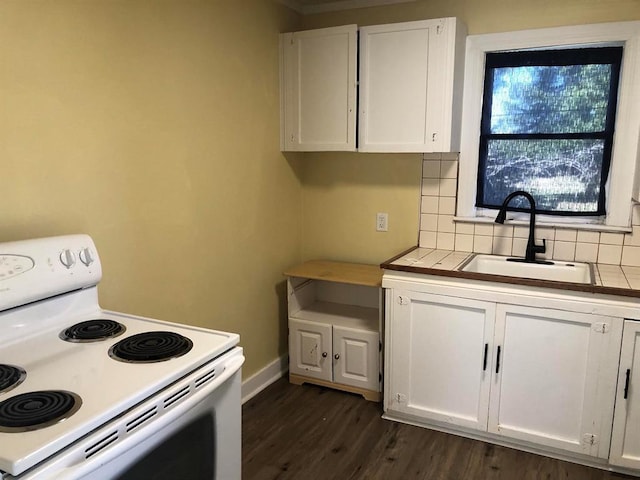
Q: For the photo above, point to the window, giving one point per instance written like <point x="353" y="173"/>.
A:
<point x="575" y="147"/>
<point x="547" y="127"/>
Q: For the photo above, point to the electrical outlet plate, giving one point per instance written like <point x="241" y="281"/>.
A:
<point x="382" y="222"/>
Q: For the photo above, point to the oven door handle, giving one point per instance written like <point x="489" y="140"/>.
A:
<point x="231" y="367"/>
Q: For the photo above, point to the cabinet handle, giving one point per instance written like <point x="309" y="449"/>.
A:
<point x="324" y="354"/>
<point x="626" y="384"/>
<point x="498" y="360"/>
<point x="484" y="360"/>
<point x="336" y="356"/>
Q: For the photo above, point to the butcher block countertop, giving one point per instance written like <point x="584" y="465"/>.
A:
<point x="609" y="279"/>
<point x="353" y="273"/>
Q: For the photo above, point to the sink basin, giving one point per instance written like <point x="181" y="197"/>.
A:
<point x="574" y="272"/>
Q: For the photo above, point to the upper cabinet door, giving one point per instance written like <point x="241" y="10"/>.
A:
<point x="410" y="86"/>
<point x="318" y="89"/>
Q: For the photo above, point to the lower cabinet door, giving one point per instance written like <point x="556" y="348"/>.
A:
<point x="310" y="349"/>
<point x="356" y="358"/>
<point x="554" y="378"/>
<point x="625" y="440"/>
<point x="440" y="362"/>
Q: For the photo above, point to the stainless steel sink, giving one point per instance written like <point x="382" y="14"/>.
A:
<point x="573" y="272"/>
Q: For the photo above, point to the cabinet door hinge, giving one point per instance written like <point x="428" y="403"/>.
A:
<point x="589" y="439"/>
<point x="380" y="377"/>
<point x="401" y="398"/>
<point x="601" y="327"/>
<point x="379" y="346"/>
<point x="402" y="300"/>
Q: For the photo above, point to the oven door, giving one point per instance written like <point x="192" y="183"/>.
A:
<point x="190" y="430"/>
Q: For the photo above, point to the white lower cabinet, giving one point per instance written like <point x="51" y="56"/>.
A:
<point x="530" y="375"/>
<point x="335" y="326"/>
<point x="310" y="349"/>
<point x="440" y="370"/>
<point x="343" y="355"/>
<point x="625" y="440"/>
<point x="356" y="356"/>
<point x="546" y="381"/>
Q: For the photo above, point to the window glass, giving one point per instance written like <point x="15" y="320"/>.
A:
<point x="547" y="128"/>
<point x="538" y="99"/>
<point x="562" y="175"/>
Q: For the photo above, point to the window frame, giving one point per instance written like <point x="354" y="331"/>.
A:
<point x="555" y="57"/>
<point x="623" y="172"/>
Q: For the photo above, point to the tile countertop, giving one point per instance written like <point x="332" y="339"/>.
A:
<point x="609" y="279"/>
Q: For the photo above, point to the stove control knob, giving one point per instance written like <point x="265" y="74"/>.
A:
<point x="85" y="256"/>
<point x="67" y="258"/>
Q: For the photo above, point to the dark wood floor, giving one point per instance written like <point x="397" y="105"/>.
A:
<point x="307" y="432"/>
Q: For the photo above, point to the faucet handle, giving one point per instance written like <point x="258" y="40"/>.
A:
<point x="540" y="248"/>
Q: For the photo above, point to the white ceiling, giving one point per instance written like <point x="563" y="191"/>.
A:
<point x="319" y="6"/>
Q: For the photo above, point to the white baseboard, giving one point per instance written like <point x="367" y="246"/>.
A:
<point x="265" y="377"/>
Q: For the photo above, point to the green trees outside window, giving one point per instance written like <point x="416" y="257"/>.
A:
<point x="547" y="127"/>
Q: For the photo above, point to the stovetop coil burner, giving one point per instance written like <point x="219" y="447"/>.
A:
<point x="35" y="410"/>
<point x="92" y="331"/>
<point x="10" y="377"/>
<point x="150" y="347"/>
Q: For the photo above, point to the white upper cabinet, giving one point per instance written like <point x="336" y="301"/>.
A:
<point x="410" y="86"/>
<point x="318" y="89"/>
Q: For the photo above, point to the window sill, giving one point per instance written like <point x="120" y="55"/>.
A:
<point x="592" y="227"/>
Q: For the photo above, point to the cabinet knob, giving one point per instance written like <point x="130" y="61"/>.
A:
<point x="336" y="356"/>
<point x="324" y="354"/>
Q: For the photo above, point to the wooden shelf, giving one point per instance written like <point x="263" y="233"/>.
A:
<point x="353" y="273"/>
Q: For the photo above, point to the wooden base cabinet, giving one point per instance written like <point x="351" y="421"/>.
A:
<point x="334" y="326"/>
<point x="334" y="354"/>
<point x="541" y="377"/>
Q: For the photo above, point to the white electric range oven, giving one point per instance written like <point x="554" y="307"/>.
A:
<point x="87" y="393"/>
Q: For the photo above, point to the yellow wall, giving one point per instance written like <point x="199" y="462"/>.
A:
<point x="153" y="127"/>
<point x="343" y="192"/>
<point x="486" y="16"/>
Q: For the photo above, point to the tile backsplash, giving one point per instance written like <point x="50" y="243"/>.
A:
<point x="438" y="230"/>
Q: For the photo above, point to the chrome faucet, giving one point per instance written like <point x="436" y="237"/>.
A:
<point x="532" y="248"/>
